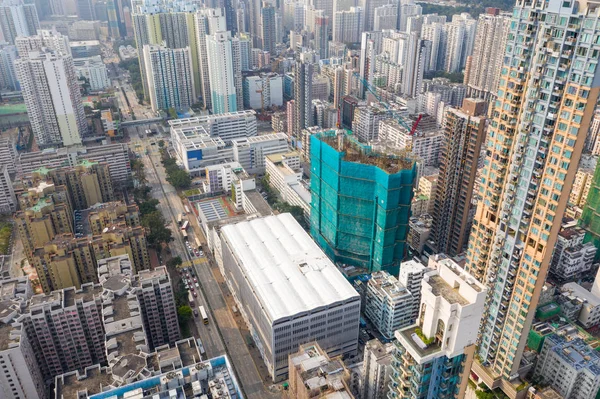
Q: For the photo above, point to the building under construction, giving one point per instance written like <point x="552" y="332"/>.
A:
<point x="360" y="201"/>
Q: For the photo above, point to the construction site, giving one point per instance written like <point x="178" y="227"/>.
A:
<point x="361" y="201"/>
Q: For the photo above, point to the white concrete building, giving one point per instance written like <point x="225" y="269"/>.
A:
<point x="8" y="153"/>
<point x="348" y="25"/>
<point x="285" y="176"/>
<point x="376" y="370"/>
<point x="170" y="78"/>
<point x="441" y="345"/>
<point x="570" y="366"/>
<point x="18" y="19"/>
<point x="225" y="72"/>
<point x="369" y="120"/>
<point x="572" y="259"/>
<point x="589" y="316"/>
<point x="20" y="374"/>
<point x="385" y="17"/>
<point x="49" y="86"/>
<point x="94" y="70"/>
<point x="196" y="149"/>
<point x="388" y="304"/>
<point x="411" y="276"/>
<point x="263" y="91"/>
<point x="425" y="144"/>
<point x="8" y="201"/>
<point x="115" y="155"/>
<point x="288" y="291"/>
<point x="227" y="126"/>
<point x="250" y="152"/>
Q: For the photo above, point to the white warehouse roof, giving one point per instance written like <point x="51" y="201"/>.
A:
<point x="289" y="273"/>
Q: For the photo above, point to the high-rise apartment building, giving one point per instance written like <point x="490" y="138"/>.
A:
<point x="157" y="302"/>
<point x="303" y="77"/>
<point x="8" y="201"/>
<point x="360" y="202"/>
<point x="321" y="33"/>
<point x="267" y="22"/>
<point x="385" y="17"/>
<point x="88" y="183"/>
<point x="366" y="127"/>
<point x="369" y="9"/>
<point x="18" y="19"/>
<point x="465" y="133"/>
<point x="170" y="24"/>
<point x="45" y="211"/>
<point x="224" y="65"/>
<point x="348" y="25"/>
<point x="433" y="356"/>
<point x="8" y="75"/>
<point x="482" y="72"/>
<point x="49" y="86"/>
<point x="170" y="77"/>
<point x="535" y="138"/>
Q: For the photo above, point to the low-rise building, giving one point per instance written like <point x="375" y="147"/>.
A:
<point x="287" y="290"/>
<point x="313" y="374"/>
<point x="250" y="152"/>
<point x="94" y="70"/>
<point x="285" y="176"/>
<point x="572" y="259"/>
<point x="570" y="366"/>
<point x="110" y="125"/>
<point x="388" y="304"/>
<point x="196" y="149"/>
<point x="589" y="316"/>
<point x="419" y="230"/>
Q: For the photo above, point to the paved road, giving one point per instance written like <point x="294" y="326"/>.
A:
<point x="222" y="336"/>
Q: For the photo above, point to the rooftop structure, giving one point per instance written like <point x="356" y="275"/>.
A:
<point x="314" y="374"/>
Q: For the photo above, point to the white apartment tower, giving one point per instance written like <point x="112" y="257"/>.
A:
<point x="170" y="77"/>
<point x="207" y="21"/>
<point x="49" y="85"/>
<point x="348" y="25"/>
<point x="224" y="65"/>
<point x="18" y="19"/>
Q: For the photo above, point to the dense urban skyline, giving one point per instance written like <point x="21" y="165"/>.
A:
<point x="302" y="198"/>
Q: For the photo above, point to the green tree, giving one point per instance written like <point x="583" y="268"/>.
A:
<point x="148" y="206"/>
<point x="137" y="167"/>
<point x="180" y="179"/>
<point x="161" y="143"/>
<point x="185" y="314"/>
<point x="141" y="194"/>
<point x="172" y="113"/>
<point x="159" y="233"/>
<point x="174" y="262"/>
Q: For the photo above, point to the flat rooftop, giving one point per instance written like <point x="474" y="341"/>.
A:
<point x="289" y="273"/>
<point x="574" y="289"/>
<point x="441" y="288"/>
<point x="93" y="382"/>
